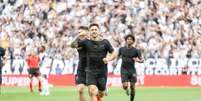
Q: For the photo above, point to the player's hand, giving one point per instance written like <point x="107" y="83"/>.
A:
<point x="140" y="60"/>
<point x="114" y="64"/>
<point x="81" y="34"/>
<point x="105" y="60"/>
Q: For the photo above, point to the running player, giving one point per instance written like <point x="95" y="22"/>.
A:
<point x="129" y="55"/>
<point x="81" y="73"/>
<point x="96" y="70"/>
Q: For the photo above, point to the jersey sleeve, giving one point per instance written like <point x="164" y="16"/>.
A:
<point x="139" y="54"/>
<point x="109" y="47"/>
<point x="82" y="43"/>
<point x="74" y="44"/>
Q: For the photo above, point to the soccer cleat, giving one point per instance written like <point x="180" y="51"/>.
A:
<point x="127" y="92"/>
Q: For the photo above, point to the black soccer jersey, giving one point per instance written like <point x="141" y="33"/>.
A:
<point x="127" y="55"/>
<point x="82" y="58"/>
<point x="96" y="51"/>
<point x="2" y="53"/>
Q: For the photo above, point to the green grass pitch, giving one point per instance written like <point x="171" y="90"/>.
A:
<point x="115" y="94"/>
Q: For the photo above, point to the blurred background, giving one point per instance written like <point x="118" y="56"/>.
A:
<point x="167" y="31"/>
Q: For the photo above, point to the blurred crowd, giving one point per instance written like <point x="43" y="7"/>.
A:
<point x="163" y="28"/>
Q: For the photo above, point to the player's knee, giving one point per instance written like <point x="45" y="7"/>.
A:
<point x="125" y="86"/>
<point x="93" y="91"/>
<point x="30" y="76"/>
<point x="81" y="90"/>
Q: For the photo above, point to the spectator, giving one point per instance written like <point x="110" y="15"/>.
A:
<point x="165" y="28"/>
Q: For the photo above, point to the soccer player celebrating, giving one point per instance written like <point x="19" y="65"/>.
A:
<point x="129" y="55"/>
<point x="81" y="73"/>
<point x="96" y="70"/>
<point x="33" y="62"/>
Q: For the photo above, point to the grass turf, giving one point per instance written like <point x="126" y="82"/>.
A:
<point x="115" y="94"/>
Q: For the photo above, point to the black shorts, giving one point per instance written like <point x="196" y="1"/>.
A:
<point x="34" y="72"/>
<point x="99" y="80"/>
<point x="80" y="77"/>
<point x="128" y="76"/>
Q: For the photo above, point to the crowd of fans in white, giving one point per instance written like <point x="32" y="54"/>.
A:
<point x="163" y="28"/>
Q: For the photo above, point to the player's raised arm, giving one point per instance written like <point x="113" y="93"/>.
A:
<point x="74" y="42"/>
<point x="82" y="35"/>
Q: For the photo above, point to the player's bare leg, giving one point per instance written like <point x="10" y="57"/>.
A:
<point x="81" y="92"/>
<point x="132" y="95"/>
<point x="39" y="83"/>
<point x="30" y="83"/>
<point x="125" y="87"/>
<point x="93" y="91"/>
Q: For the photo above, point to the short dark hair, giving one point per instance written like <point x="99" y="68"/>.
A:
<point x="83" y="27"/>
<point x="131" y="36"/>
<point x="94" y="24"/>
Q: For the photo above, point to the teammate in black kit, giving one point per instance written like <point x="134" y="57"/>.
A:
<point x="3" y="46"/>
<point x="81" y="74"/>
<point x="2" y="53"/>
<point x="129" y="55"/>
<point x="96" y="71"/>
